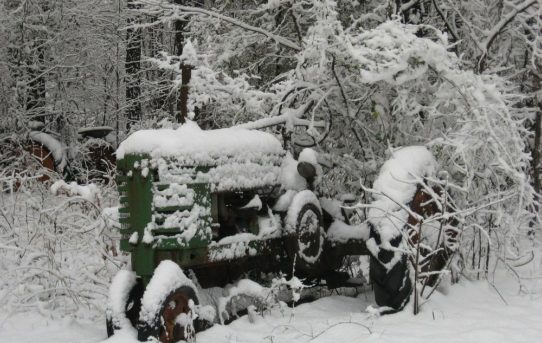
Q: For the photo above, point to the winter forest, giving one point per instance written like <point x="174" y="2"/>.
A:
<point x="354" y="170"/>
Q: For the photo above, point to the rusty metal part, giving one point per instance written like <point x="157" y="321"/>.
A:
<point x="423" y="204"/>
<point x="34" y="155"/>
<point x="44" y="156"/>
<point x="177" y="305"/>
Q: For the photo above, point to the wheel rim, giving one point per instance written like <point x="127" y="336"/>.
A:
<point x="177" y="318"/>
<point x="308" y="235"/>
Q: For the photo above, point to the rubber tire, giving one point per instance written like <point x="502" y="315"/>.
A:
<point x="392" y="288"/>
<point x="109" y="326"/>
<point x="136" y="293"/>
<point x="301" y="263"/>
<point x="146" y="331"/>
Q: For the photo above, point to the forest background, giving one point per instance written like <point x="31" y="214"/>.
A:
<point x="352" y="79"/>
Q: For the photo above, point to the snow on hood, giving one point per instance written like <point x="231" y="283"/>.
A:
<point x="190" y="140"/>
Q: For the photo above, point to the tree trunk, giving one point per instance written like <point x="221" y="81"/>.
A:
<point x="536" y="149"/>
<point x="186" y="70"/>
<point x="182" y="101"/>
<point x="160" y="98"/>
<point x="35" y="64"/>
<point x="133" y="68"/>
<point x="535" y="152"/>
<point x="36" y="87"/>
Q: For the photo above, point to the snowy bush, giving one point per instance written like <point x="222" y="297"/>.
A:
<point x="57" y="252"/>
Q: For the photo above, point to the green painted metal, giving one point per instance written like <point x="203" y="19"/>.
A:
<point x="189" y="257"/>
<point x="137" y="211"/>
<point x="169" y="238"/>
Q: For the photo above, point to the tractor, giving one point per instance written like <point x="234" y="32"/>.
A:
<point x="216" y="205"/>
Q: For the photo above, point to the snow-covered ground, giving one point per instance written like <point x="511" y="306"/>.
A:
<point x="469" y="312"/>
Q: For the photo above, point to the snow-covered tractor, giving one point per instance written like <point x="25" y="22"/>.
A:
<point x="216" y="205"/>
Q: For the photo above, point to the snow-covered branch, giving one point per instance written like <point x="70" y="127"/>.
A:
<point x="180" y="11"/>
<point x="499" y="27"/>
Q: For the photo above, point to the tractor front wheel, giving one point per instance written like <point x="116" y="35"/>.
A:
<point x="177" y="316"/>
<point x="125" y="296"/>
<point x="168" y="306"/>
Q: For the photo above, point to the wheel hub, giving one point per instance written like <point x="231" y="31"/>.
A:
<point x="177" y="318"/>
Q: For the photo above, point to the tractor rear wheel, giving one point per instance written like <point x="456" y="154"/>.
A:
<point x="391" y="283"/>
<point x="392" y="288"/>
<point x="304" y="220"/>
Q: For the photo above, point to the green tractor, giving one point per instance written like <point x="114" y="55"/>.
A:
<point x="217" y="205"/>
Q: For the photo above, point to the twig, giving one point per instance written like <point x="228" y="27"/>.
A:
<point x="337" y="324"/>
<point x="486" y="44"/>
<point x="417" y="271"/>
<point x="499" y="293"/>
<point x="448" y="26"/>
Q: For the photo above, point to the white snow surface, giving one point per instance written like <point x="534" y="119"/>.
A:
<point x="308" y="155"/>
<point x="340" y="232"/>
<point x="289" y="177"/>
<point x="255" y="203"/>
<point x="398" y="174"/>
<point x="284" y="201"/>
<point x="470" y="312"/>
<point x="174" y="195"/>
<point x="121" y="285"/>
<point x="190" y="140"/>
<point x="240" y="175"/>
<point x="238" y="248"/>
<point x="89" y="192"/>
<point x="244" y="170"/>
<point x="333" y="207"/>
<point x="311" y="156"/>
<point x="190" y="223"/>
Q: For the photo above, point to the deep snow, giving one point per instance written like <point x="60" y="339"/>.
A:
<point x="470" y="312"/>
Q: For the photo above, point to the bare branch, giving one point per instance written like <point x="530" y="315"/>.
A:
<point x="408" y="5"/>
<point x="486" y="44"/>
<point x="182" y="11"/>
<point x="448" y="26"/>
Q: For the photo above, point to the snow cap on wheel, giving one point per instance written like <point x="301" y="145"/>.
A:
<point x="298" y="201"/>
<point x="119" y="292"/>
<point x="167" y="277"/>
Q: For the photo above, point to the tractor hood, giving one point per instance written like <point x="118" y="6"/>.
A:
<point x="189" y="142"/>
